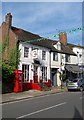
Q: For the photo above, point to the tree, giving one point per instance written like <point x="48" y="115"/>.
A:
<point x="8" y="68"/>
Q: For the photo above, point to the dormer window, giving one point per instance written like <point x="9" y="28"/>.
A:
<point x="58" y="46"/>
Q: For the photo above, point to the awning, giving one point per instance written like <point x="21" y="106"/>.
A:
<point x="73" y="68"/>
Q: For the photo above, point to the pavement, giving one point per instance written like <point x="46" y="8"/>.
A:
<point x="9" y="97"/>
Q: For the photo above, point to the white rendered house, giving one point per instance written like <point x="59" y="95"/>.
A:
<point x="35" y="63"/>
<point x="40" y="60"/>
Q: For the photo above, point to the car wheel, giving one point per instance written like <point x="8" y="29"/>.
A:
<point x="81" y="88"/>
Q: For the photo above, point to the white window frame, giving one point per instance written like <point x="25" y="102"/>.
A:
<point x="26" y="52"/>
<point x="55" y="56"/>
<point x="43" y="55"/>
<point x="67" y="58"/>
<point x="44" y="74"/>
<point x="26" y="72"/>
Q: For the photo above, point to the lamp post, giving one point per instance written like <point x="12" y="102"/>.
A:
<point x="61" y="72"/>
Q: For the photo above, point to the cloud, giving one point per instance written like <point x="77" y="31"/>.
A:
<point x="44" y="18"/>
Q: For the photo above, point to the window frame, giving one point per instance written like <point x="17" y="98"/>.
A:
<point x="67" y="58"/>
<point x="26" y="52"/>
<point x="43" y="55"/>
<point x="25" y="69"/>
<point x="55" y="56"/>
<point x="44" y="73"/>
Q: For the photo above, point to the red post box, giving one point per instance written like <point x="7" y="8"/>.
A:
<point x="18" y="81"/>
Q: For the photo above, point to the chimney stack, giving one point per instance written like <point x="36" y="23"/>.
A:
<point x="63" y="37"/>
<point x="8" y="21"/>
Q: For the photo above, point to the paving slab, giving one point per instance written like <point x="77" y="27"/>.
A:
<point x="8" y="97"/>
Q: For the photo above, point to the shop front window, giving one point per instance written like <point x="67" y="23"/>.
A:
<point x="25" y="69"/>
<point x="44" y="74"/>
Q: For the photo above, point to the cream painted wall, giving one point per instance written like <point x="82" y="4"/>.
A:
<point x="79" y="51"/>
<point x="55" y="64"/>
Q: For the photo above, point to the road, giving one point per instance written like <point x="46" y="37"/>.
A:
<point x="59" y="105"/>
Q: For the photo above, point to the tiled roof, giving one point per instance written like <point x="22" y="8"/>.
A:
<point x="72" y="45"/>
<point x="28" y="36"/>
<point x="24" y="35"/>
<point x="66" y="49"/>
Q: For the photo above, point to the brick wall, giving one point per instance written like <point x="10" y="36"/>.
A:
<point x="6" y="32"/>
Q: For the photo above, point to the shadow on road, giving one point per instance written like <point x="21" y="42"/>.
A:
<point x="77" y="115"/>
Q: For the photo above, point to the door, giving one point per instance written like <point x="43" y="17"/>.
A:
<point x="54" y="77"/>
<point x="35" y="74"/>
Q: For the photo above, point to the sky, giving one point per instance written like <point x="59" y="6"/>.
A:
<point x="47" y="18"/>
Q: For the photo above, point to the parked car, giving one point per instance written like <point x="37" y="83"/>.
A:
<point x="76" y="84"/>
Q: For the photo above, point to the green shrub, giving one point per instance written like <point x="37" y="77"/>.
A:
<point x="7" y="88"/>
<point x="8" y="74"/>
<point x="44" y="87"/>
<point x="62" y="77"/>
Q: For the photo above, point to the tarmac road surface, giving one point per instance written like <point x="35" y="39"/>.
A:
<point x="59" y="105"/>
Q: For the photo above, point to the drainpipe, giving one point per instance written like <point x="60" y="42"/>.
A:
<point x="50" y="64"/>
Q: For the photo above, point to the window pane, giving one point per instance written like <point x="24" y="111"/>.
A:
<point x="44" y="73"/>
<point x="26" y="51"/>
<point x="55" y="56"/>
<point x="25" y="69"/>
<point x="43" y="55"/>
<point x="67" y="58"/>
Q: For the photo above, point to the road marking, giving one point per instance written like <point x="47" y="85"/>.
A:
<point x="41" y="110"/>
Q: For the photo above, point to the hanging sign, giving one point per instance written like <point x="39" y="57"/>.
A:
<point x="35" y="53"/>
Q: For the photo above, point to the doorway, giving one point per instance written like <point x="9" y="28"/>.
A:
<point x="54" y="77"/>
<point x="35" y="74"/>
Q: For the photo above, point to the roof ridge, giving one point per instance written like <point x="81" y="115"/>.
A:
<point x="25" y="31"/>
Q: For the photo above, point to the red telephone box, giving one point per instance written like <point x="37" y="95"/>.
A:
<point x="18" y="81"/>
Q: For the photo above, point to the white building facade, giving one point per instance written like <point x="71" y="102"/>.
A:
<point x="58" y="63"/>
<point x="35" y="63"/>
<point x="42" y="61"/>
<point x="42" y="65"/>
<point x="79" y="51"/>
